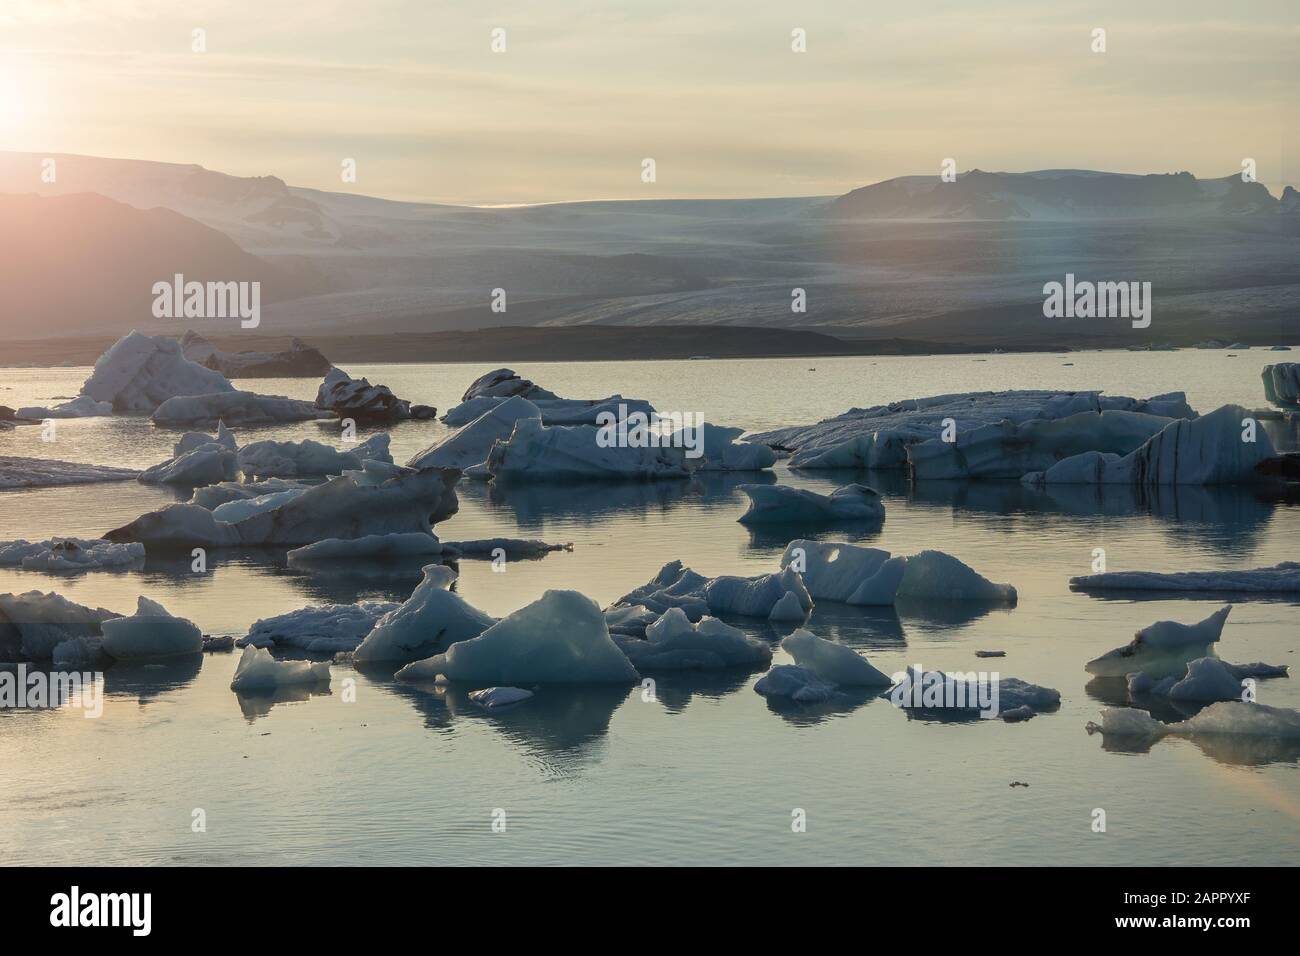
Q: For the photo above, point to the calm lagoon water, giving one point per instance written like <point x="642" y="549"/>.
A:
<point x="708" y="772"/>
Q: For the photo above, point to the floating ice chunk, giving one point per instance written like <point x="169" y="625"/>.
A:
<point x="1209" y="450"/>
<point x="1162" y="649"/>
<point x="511" y="548"/>
<point x="151" y="632"/>
<point x="1009" y="449"/>
<point x="789" y="608"/>
<point x="34" y="623"/>
<point x="492" y="697"/>
<point x="81" y="407"/>
<point x="69" y="554"/>
<point x="296" y="459"/>
<point x="831" y="570"/>
<point x="259" y="671"/>
<point x="207" y="464"/>
<point x="721" y="451"/>
<point x="831" y="662"/>
<point x="1208" y="678"/>
<point x="1281" y="384"/>
<point x="781" y="504"/>
<point x="214" y="496"/>
<point x="797" y="683"/>
<point x="192" y="440"/>
<point x="235" y="511"/>
<point x="140" y="372"/>
<point x="430" y="621"/>
<point x="219" y="644"/>
<point x="1226" y="718"/>
<point x="560" y="638"/>
<point x="470" y="445"/>
<point x="504" y="383"/>
<point x="631" y="621"/>
<point x="1281" y="578"/>
<point x="369" y="546"/>
<point x="931" y="576"/>
<point x="537" y="452"/>
<point x="235" y="409"/>
<point x="357" y="399"/>
<point x="323" y="629"/>
<point x="674" y="643"/>
<point x="757" y="596"/>
<point x="553" y="411"/>
<point x="967" y="694"/>
<point x="48" y="472"/>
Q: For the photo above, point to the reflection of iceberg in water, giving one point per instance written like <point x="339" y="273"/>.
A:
<point x="145" y="682"/>
<point x="254" y="704"/>
<point x="861" y="628"/>
<point x="675" y="689"/>
<point x="843" y="702"/>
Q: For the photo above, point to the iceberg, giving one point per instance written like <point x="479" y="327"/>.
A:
<point x="1010" y="449"/>
<point x="1281" y="384"/>
<point x="929" y="576"/>
<point x="879" y="437"/>
<point x="237" y="510"/>
<point x="431" y="620"/>
<point x="789" y="608"/>
<point x="494" y="388"/>
<point x="560" y="638"/>
<point x="469" y="445"/>
<point x="259" y="671"/>
<point x="678" y="586"/>
<point x="214" y="496"/>
<point x="340" y="508"/>
<point x="207" y="464"/>
<point x="490" y="698"/>
<point x="536" y="452"/>
<point x="1162" y="649"/>
<point x="832" y="571"/>
<point x="781" y="504"/>
<point x="832" y="663"/>
<point x="233" y="408"/>
<point x="368" y="546"/>
<point x="721" y="450"/>
<point x="18" y="472"/>
<point x="299" y="360"/>
<point x="150" y="633"/>
<point x="1226" y="718"/>
<point x="83" y="406"/>
<point x="512" y="548"/>
<point x="504" y="383"/>
<point x="795" y="683"/>
<point x="140" y="372"/>
<point x="1210" y="450"/>
<point x="70" y="554"/>
<point x="357" y="399"/>
<point x="965" y="695"/>
<point x="192" y="440"/>
<point x="1210" y="679"/>
<point x="320" y="629"/>
<point x="674" y="643"/>
<point x="34" y="624"/>
<point x="1283" y="578"/>
<point x="307" y="458"/>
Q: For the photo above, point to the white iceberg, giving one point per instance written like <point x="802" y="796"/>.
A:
<point x="430" y="621"/>
<point x="140" y="372"/>
<point x="151" y="632"/>
<point x="560" y="638"/>
<point x="490" y="698"/>
<point x="469" y="446"/>
<point x="1281" y="384"/>
<point x="49" y="472"/>
<point x="192" y="440"/>
<point x="235" y="511"/>
<point x="307" y="458"/>
<point x="1162" y="649"/>
<point x="1226" y="718"/>
<point x="207" y="464"/>
<point x="720" y="449"/>
<point x="1210" y="679"/>
<point x="320" y="629"/>
<point x="259" y="671"/>
<point x="961" y="695"/>
<point x="537" y="452"/>
<point x="233" y="408"/>
<point x="796" y="683"/>
<point x="1209" y="450"/>
<point x="831" y="662"/>
<point x="83" y="406"/>
<point x="929" y="576"/>
<point x="1283" y="578"/>
<point x="781" y="504"/>
<point x="70" y="554"/>
<point x="832" y="571"/>
<point x="674" y="643"/>
<point x="214" y="496"/>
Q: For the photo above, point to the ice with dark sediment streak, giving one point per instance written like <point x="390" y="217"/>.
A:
<point x="140" y="372"/>
<point x="302" y="459"/>
<point x="1224" y="447"/>
<point x="18" y="472"/>
<point x="494" y="388"/>
<point x="343" y="507"/>
<point x="1225" y="718"/>
<point x="832" y="662"/>
<point x="319" y="629"/>
<point x="1283" y="578"/>
<point x="678" y="586"/>
<point x="879" y="437"/>
<point x="257" y="670"/>
<point x="469" y="445"/>
<point x="781" y="504"/>
<point x="1281" y="384"/>
<point x="1009" y="449"/>
<point x="431" y="620"/>
<point x="674" y="643"/>
<point x="357" y="399"/>
<point x="70" y="554"/>
<point x="560" y="638"/>
<point x="235" y="409"/>
<point x="150" y="633"/>
<point x="1162" y="648"/>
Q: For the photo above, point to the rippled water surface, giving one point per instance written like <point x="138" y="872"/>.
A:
<point x="707" y="771"/>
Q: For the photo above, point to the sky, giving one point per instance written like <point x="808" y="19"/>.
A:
<point x="711" y="90"/>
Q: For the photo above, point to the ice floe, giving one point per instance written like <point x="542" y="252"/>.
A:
<point x="797" y="683"/>
<point x="307" y="458"/>
<point x="39" y="626"/>
<point x="1162" y="648"/>
<point x="495" y="387"/>
<point x="879" y="437"/>
<point x="674" y="643"/>
<point x="18" y="472"/>
<point x="1225" y="718"/>
<point x="83" y="406"/>
<point x="560" y="638"/>
<point x="1204" y="679"/>
<point x="1283" y="578"/>
<point x="469" y="445"/>
<point x="235" y="409"/>
<point x="870" y="576"/>
<point x="1281" y="384"/>
<point x="150" y="633"/>
<point x="357" y="399"/>
<point x="961" y="696"/>
<point x="781" y="504"/>
<point x="536" y="452"/>
<point x="140" y="372"/>
<point x="70" y="554"/>
<point x="831" y="662"/>
<point x="722" y="451"/>
<point x="207" y="464"/>
<point x="368" y="546"/>
<point x="259" y="671"/>
<point x="1209" y="450"/>
<point x="429" y="622"/>
<point x="678" y="586"/>
<point x="319" y="629"/>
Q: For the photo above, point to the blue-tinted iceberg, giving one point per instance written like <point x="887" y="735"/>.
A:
<point x="320" y="629"/>
<point x="150" y="633"/>
<point x="430" y="621"/>
<point x="259" y="671"/>
<point x="674" y="643"/>
<point x="781" y="504"/>
<point x="1283" y="578"/>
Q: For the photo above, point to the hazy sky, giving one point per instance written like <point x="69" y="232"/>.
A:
<point x="710" y="89"/>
